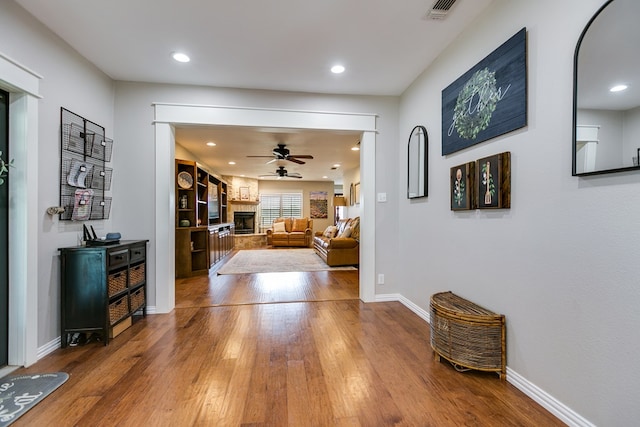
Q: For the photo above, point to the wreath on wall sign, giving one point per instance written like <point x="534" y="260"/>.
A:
<point x="476" y="103"/>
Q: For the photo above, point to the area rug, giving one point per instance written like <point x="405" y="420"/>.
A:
<point x="20" y="393"/>
<point x="276" y="260"/>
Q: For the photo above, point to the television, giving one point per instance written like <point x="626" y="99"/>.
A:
<point x="214" y="211"/>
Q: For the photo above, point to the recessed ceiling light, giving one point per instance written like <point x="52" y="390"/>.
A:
<point x="211" y="144"/>
<point x="181" y="57"/>
<point x="337" y="69"/>
<point x="325" y="177"/>
<point x="618" y="88"/>
<point x="232" y="163"/>
<point x="337" y="165"/>
<point x="355" y="148"/>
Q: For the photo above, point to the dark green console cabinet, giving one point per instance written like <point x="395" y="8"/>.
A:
<point x="102" y="286"/>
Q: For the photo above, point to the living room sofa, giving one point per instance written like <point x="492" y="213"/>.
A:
<point x="339" y="245"/>
<point x="291" y="232"/>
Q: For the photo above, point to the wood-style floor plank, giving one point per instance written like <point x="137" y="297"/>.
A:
<point x="274" y="349"/>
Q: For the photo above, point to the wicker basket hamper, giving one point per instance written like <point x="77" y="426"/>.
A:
<point x="136" y="275"/>
<point x="118" y="309"/>
<point x="117" y="282"/>
<point x="137" y="299"/>
<point x="467" y="335"/>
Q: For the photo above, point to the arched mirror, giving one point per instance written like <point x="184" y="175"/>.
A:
<point x="606" y="106"/>
<point x="418" y="155"/>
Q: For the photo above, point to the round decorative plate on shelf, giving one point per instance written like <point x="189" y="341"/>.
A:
<point x="185" y="180"/>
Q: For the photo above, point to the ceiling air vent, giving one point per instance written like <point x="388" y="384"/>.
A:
<point x="440" y="9"/>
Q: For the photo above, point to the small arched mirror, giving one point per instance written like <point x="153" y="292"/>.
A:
<point x="418" y="156"/>
<point x="606" y="107"/>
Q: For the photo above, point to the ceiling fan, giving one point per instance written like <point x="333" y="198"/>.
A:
<point x="282" y="153"/>
<point x="281" y="172"/>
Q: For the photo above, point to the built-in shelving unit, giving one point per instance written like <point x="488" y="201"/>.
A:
<point x="201" y="206"/>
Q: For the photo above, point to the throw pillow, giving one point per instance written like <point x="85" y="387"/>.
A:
<point x="330" y="231"/>
<point x="342" y="224"/>
<point x="278" y="227"/>
<point x="355" y="228"/>
<point x="299" y="224"/>
<point x="345" y="233"/>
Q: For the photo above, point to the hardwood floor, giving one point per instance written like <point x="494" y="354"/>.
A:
<point x="291" y="349"/>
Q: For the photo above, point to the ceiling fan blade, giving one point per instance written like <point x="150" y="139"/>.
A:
<point x="271" y="161"/>
<point x="300" y="162"/>
<point x="294" y="176"/>
<point x="303" y="156"/>
<point x="269" y="174"/>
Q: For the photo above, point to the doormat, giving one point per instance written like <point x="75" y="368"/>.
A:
<point x="20" y="393"/>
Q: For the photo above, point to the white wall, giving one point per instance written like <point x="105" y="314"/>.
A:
<point x="631" y="137"/>
<point x="350" y="178"/>
<point x="610" y="137"/>
<point x="561" y="264"/>
<point x="68" y="81"/>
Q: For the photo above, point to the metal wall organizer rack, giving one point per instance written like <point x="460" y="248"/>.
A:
<point x="84" y="176"/>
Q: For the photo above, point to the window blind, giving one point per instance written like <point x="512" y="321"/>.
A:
<point x="278" y="205"/>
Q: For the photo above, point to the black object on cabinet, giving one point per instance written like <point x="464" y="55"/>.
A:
<point x="101" y="287"/>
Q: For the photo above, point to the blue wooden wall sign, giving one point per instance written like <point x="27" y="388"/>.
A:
<point x="488" y="100"/>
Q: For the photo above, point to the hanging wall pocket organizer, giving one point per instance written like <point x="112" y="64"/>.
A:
<point x="85" y="178"/>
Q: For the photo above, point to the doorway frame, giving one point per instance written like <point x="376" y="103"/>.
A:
<point x="23" y="86"/>
<point x="168" y="115"/>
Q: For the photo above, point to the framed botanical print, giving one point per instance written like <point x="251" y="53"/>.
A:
<point x="493" y="181"/>
<point x="462" y="188"/>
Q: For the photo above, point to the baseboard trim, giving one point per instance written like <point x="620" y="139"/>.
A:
<point x="406" y="302"/>
<point x="388" y="297"/>
<point x="48" y="348"/>
<point x="544" y="399"/>
<point x="152" y="309"/>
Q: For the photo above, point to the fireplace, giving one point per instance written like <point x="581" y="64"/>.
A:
<point x="244" y="222"/>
